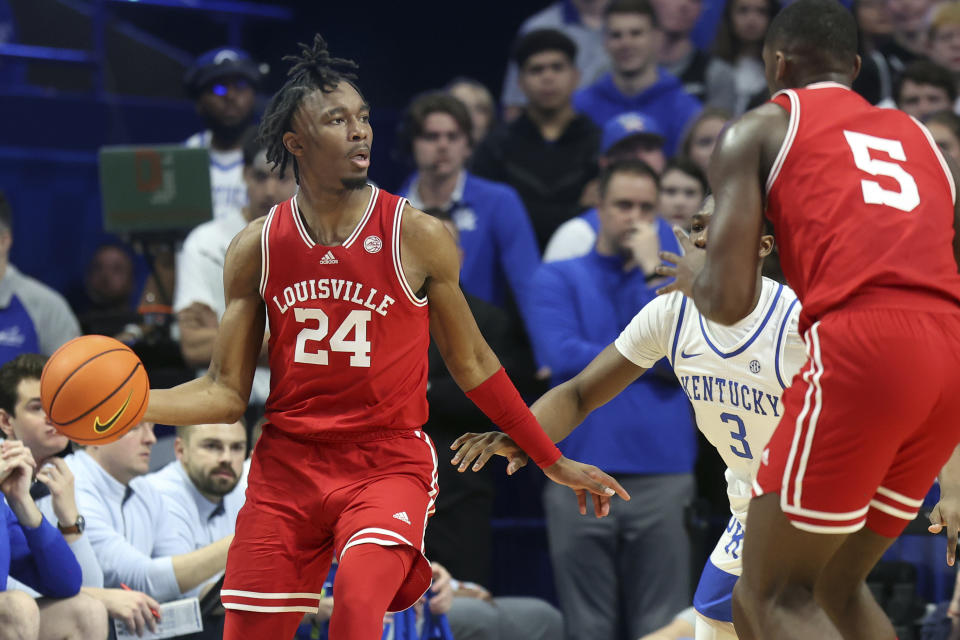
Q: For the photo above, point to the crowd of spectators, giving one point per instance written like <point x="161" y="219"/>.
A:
<point x="560" y="197"/>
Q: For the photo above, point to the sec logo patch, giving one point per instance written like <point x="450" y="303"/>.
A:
<point x="373" y="244"/>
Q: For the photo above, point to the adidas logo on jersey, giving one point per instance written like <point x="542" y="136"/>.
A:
<point x="402" y="517"/>
<point x="329" y="258"/>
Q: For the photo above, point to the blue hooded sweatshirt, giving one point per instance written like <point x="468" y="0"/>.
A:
<point x="665" y="101"/>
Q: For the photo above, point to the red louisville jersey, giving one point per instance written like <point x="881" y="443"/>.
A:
<point x="862" y="203"/>
<point x="348" y="337"/>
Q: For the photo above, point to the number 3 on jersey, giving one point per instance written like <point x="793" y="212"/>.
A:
<point x="740" y="435"/>
<point x="359" y="347"/>
<point x="861" y="144"/>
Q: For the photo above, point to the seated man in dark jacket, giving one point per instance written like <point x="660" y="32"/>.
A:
<point x="465" y="505"/>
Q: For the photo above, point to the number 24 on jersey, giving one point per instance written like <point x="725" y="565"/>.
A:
<point x="358" y="347"/>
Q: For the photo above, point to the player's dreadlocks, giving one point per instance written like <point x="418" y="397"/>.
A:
<point x="313" y="69"/>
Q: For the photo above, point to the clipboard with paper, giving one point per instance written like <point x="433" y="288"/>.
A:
<point x="177" y="618"/>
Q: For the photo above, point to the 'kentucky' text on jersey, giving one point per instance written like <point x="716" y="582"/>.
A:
<point x="348" y="338"/>
<point x="734" y="376"/>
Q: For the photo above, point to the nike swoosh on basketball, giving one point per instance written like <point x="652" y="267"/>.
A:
<point x="103" y="427"/>
<point x="684" y="354"/>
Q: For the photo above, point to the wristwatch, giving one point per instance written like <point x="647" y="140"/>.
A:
<point x="76" y="527"/>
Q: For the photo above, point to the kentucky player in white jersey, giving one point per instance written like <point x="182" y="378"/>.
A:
<point x="733" y="375"/>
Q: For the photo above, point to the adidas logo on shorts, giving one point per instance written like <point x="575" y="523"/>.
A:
<point x="402" y="517"/>
<point x="329" y="258"/>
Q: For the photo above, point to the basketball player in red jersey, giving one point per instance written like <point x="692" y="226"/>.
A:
<point x="863" y="205"/>
<point x="350" y="281"/>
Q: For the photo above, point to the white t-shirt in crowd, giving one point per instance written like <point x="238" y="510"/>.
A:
<point x="200" y="279"/>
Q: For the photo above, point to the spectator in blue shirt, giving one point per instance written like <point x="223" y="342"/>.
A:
<point x="636" y="83"/>
<point x="131" y="529"/>
<point x="637" y="576"/>
<point x="202" y="488"/>
<point x="34" y="552"/>
<point x="33" y="317"/>
<point x="23" y="419"/>
<point x="629" y="136"/>
<point x="500" y="250"/>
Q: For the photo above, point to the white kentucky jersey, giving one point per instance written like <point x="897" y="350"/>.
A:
<point x="228" y="189"/>
<point x="734" y="376"/>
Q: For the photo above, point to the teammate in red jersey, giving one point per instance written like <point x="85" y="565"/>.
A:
<point x="863" y="204"/>
<point x="349" y="280"/>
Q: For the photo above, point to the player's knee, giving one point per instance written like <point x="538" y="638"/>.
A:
<point x="793" y="597"/>
<point x="745" y="592"/>
<point x="835" y="595"/>
<point x="750" y="598"/>
<point x="368" y="571"/>
<point x="88" y="618"/>
<point x="244" y="625"/>
<point x="751" y="603"/>
<point x="19" y="616"/>
<point x="740" y="599"/>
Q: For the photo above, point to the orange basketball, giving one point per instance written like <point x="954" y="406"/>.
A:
<point x="94" y="389"/>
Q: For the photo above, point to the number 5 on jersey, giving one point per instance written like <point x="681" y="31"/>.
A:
<point x="861" y="144"/>
<point x="359" y="347"/>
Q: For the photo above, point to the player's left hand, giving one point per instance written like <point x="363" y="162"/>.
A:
<point x="946" y="515"/>
<point x="688" y="265"/>
<point x="484" y="446"/>
<point x="584" y="478"/>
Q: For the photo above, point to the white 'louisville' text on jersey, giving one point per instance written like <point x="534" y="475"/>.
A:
<point x="734" y="376"/>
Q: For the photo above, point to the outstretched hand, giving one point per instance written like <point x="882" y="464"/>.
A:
<point x="483" y="446"/>
<point x="688" y="265"/>
<point x="946" y="515"/>
<point x="583" y="479"/>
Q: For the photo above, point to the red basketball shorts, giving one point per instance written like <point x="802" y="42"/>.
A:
<point x="309" y="501"/>
<point x="868" y="422"/>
